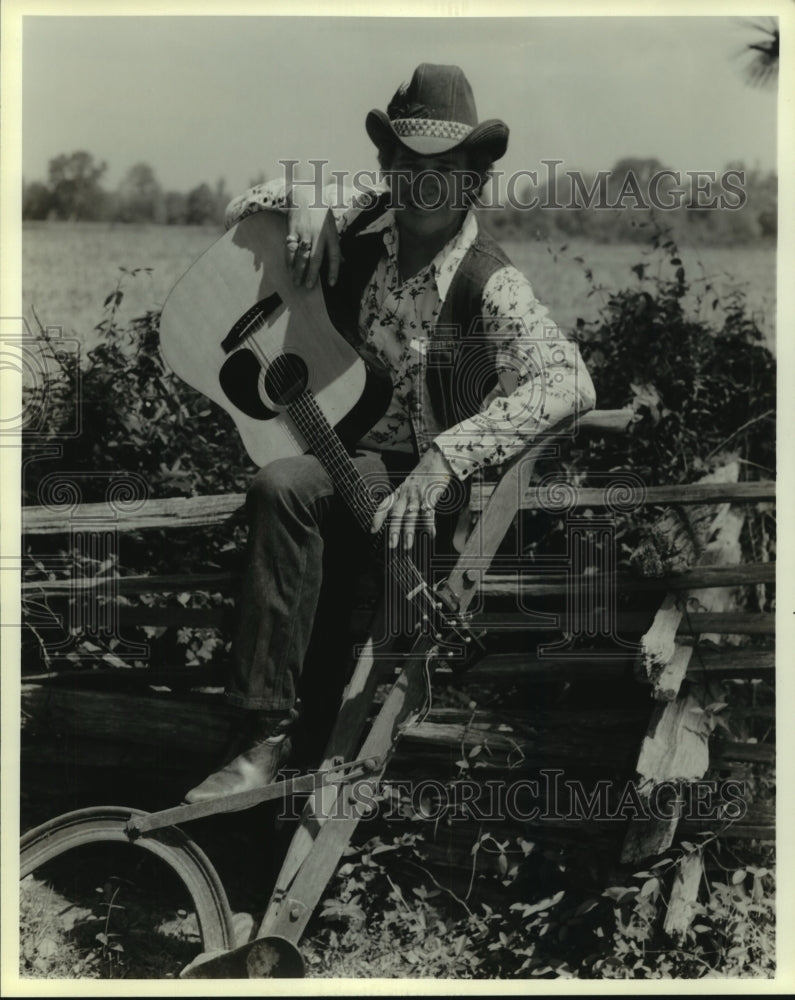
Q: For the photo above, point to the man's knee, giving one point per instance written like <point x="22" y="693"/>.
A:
<point x="299" y="479"/>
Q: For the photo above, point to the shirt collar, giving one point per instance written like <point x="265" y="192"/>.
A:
<point x="446" y="262"/>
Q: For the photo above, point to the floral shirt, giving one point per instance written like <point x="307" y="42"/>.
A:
<point x="542" y="379"/>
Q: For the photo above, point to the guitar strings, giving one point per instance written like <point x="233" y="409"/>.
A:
<point x="338" y="461"/>
<point x="404" y="567"/>
<point x="401" y="562"/>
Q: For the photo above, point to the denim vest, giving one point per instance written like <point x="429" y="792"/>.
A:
<point x="458" y="369"/>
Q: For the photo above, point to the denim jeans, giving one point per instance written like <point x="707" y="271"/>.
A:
<point x="304" y="557"/>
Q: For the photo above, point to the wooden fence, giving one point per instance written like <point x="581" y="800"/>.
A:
<point x="674" y="741"/>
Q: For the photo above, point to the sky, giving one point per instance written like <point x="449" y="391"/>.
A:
<point x="204" y="98"/>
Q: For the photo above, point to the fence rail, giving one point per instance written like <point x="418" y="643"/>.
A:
<point x="192" y="512"/>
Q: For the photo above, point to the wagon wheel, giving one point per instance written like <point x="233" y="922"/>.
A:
<point x="102" y="825"/>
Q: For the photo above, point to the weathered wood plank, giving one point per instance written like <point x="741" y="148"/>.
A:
<point x="755" y="753"/>
<point x="173" y="512"/>
<point x="731" y="622"/>
<point x="658" y="645"/>
<point x="684" y="894"/>
<point x="170" y="723"/>
<point x="495" y="585"/>
<point x="724" y="549"/>
<point x="629" y="622"/>
<point x="691" y="493"/>
<point x="497" y="667"/>
<point x="666" y="683"/>
<point x="676" y="747"/>
<point x="677" y="541"/>
<point x="606" y="421"/>
<point x="511" y="667"/>
<point x="549" y="584"/>
<point x="191" y="512"/>
<point x="758" y="824"/>
<point x="721" y="551"/>
<point x="177" y="583"/>
<point x="743" y="623"/>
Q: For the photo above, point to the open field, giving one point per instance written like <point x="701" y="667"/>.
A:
<point x="70" y="268"/>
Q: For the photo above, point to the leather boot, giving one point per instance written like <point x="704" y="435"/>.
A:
<point x="266" y="749"/>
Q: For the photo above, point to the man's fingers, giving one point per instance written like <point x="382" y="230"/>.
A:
<point x="301" y="259"/>
<point x="407" y="513"/>
<point x="381" y="512"/>
<point x="315" y="260"/>
<point x="408" y="524"/>
<point x="333" y="257"/>
<point x="396" y="519"/>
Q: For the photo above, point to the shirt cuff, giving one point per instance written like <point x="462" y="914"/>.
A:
<point x="270" y="195"/>
<point x="458" y="449"/>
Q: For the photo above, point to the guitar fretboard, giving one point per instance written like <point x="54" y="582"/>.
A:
<point x="326" y="445"/>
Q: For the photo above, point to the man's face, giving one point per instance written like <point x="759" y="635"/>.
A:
<point x="429" y="193"/>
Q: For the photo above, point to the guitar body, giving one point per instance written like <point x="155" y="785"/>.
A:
<point x="237" y="329"/>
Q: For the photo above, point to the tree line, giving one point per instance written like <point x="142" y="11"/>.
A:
<point x="557" y="214"/>
<point x="74" y="192"/>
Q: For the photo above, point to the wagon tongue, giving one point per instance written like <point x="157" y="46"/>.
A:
<point x="264" y="958"/>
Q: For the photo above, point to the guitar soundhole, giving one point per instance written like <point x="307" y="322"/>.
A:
<point x="285" y="379"/>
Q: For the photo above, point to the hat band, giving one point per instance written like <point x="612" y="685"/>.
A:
<point x="438" y="129"/>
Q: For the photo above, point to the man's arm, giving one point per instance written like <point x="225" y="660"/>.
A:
<point x="543" y="380"/>
<point x="315" y="228"/>
<point x="268" y="196"/>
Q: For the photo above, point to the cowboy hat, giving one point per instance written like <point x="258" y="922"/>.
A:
<point x="435" y="113"/>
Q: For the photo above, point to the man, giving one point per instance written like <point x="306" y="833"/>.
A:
<point x="409" y="270"/>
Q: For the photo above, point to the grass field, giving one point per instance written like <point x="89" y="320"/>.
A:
<point x="70" y="268"/>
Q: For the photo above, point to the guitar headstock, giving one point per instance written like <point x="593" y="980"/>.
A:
<point x="461" y="644"/>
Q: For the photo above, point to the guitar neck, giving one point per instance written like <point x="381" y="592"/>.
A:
<point x="332" y="455"/>
<point x="353" y="490"/>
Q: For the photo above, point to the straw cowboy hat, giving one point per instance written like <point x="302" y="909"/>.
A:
<point x="435" y="113"/>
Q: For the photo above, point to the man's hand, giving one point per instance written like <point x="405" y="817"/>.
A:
<point x="311" y="237"/>
<point x="412" y="504"/>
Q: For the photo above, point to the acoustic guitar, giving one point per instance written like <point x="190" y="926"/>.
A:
<point x="236" y="328"/>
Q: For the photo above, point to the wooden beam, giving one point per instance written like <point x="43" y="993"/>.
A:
<point x="755" y="753"/>
<point x="509" y="667"/>
<point x="494" y="584"/>
<point x="676" y="747"/>
<point x="177" y="583"/>
<point x="741" y="623"/>
<point x="635" y="622"/>
<point x="191" y="512"/>
<point x="684" y="895"/>
<point x="548" y="584"/>
<point x="722" y="550"/>
<point x="690" y="493"/>
<point x="737" y="623"/>
<point x="162" y="720"/>
<point x="174" y="512"/>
